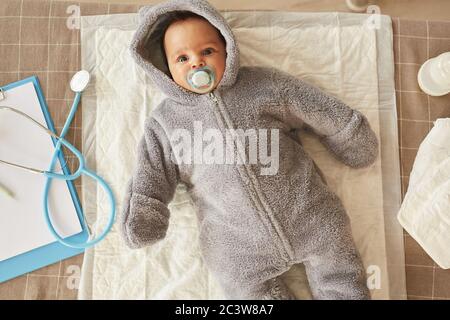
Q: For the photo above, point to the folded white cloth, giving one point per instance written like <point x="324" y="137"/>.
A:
<point x="425" y="211"/>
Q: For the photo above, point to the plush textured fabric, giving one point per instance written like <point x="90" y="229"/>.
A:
<point x="253" y="226"/>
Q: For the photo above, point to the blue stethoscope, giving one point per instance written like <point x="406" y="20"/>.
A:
<point x="78" y="83"/>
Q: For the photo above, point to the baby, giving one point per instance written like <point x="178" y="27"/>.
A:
<point x="186" y="51"/>
<point x="254" y="224"/>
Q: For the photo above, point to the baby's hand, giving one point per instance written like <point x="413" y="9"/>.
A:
<point x="356" y="145"/>
<point x="145" y="221"/>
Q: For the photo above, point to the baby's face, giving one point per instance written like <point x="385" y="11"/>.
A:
<point x="190" y="44"/>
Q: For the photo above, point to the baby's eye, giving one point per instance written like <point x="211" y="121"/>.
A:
<point x="181" y="59"/>
<point x="208" y="51"/>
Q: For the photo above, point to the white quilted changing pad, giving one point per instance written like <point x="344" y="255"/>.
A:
<point x="341" y="53"/>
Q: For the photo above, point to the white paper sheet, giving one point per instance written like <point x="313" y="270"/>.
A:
<point x="22" y="224"/>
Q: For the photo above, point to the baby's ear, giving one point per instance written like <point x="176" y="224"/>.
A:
<point x="142" y="13"/>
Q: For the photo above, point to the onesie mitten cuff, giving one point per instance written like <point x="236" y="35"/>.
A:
<point x="356" y="145"/>
<point x="145" y="221"/>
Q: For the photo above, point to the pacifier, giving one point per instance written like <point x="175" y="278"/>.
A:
<point x="201" y="79"/>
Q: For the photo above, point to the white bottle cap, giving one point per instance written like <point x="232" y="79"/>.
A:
<point x="434" y="75"/>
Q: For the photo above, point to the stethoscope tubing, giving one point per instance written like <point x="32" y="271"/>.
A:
<point x="50" y="175"/>
<point x="81" y="170"/>
<point x="60" y="141"/>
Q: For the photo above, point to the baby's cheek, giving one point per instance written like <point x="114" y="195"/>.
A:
<point x="182" y="83"/>
<point x="220" y="73"/>
<point x="179" y="78"/>
<point x="222" y="63"/>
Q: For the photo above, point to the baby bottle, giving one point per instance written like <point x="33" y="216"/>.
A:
<point x="434" y="75"/>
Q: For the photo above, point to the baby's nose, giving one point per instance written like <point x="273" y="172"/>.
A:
<point x="197" y="64"/>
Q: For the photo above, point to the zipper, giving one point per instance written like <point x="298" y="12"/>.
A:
<point x="260" y="204"/>
<point x="213" y="97"/>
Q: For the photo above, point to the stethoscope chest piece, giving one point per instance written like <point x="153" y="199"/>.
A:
<point x="79" y="81"/>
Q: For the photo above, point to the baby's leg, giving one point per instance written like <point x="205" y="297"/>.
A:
<point x="338" y="274"/>
<point x="273" y="289"/>
<point x="244" y="263"/>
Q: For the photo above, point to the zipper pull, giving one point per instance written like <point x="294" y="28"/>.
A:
<point x="211" y="94"/>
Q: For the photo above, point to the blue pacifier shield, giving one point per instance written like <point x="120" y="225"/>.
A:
<point x="201" y="79"/>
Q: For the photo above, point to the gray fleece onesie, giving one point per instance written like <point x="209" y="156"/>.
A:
<point x="253" y="226"/>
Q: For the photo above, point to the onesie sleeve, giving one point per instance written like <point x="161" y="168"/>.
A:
<point x="145" y="216"/>
<point x="345" y="132"/>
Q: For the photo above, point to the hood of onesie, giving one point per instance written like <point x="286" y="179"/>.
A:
<point x="148" y="53"/>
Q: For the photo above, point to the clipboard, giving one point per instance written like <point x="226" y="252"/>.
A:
<point x="55" y="251"/>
